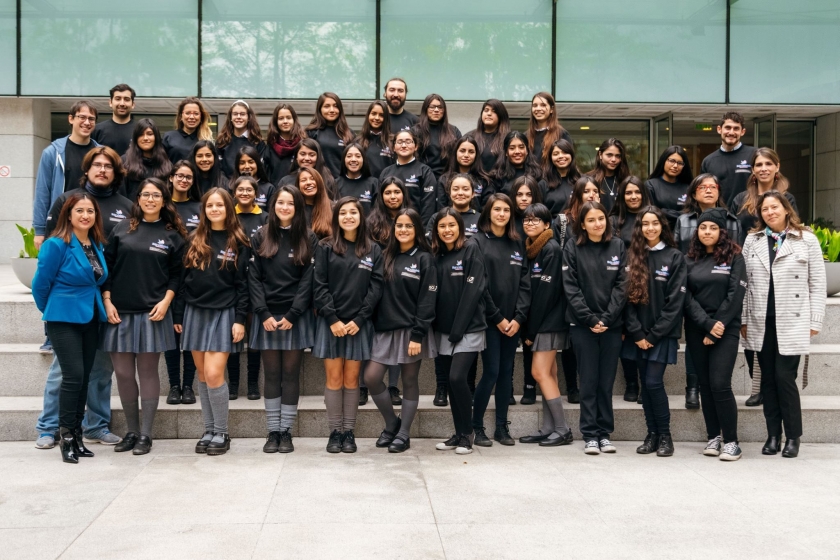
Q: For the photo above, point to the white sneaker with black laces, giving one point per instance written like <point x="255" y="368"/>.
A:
<point x="731" y="451"/>
<point x="592" y="448"/>
<point x="713" y="447"/>
<point x="464" y="446"/>
<point x="606" y="446"/>
<point x="449" y="444"/>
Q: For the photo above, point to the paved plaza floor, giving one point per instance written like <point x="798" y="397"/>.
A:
<point x="520" y="502"/>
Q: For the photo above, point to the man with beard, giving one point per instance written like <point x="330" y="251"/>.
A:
<point x="116" y="132"/>
<point x="395" y="93"/>
<point x="731" y="163"/>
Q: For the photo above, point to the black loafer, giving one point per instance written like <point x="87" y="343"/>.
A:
<point x="398" y="445"/>
<point x="386" y="437"/>
<point x="127" y="443"/>
<point x="187" y="395"/>
<point x="396" y="399"/>
<point x="441" y="398"/>
<point x="755" y="400"/>
<point x="286" y="445"/>
<point x="565" y="439"/>
<point x="143" y="445"/>
<point x="481" y="438"/>
<point x="201" y="446"/>
<point x="573" y="396"/>
<point x="772" y="446"/>
<point x="219" y="448"/>
<point x="174" y="396"/>
<point x="791" y="449"/>
<point x="533" y="439"/>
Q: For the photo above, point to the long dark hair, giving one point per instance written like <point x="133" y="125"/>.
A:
<point x="320" y="164"/>
<point x="505" y="171"/>
<point x="551" y="174"/>
<point x="587" y="207"/>
<point x="199" y="254"/>
<point x="168" y="214"/>
<point x="424" y="135"/>
<point x="724" y="251"/>
<point x="194" y="193"/>
<point x="260" y="176"/>
<point x="342" y="129"/>
<point x="575" y="203"/>
<point x="274" y="135"/>
<point x="685" y="177"/>
<point x="619" y="209"/>
<point x="691" y="205"/>
<point x="321" y="209"/>
<point x="336" y="239"/>
<point x="365" y="170"/>
<point x="638" y="268"/>
<point x="380" y="223"/>
<point x="485" y="224"/>
<point x="253" y="127"/>
<point x="133" y="159"/>
<point x="64" y="229"/>
<point x="298" y="232"/>
<point x="497" y="145"/>
<point x="438" y="246"/>
<point x="453" y="167"/>
<point x="533" y="186"/>
<point x="600" y="171"/>
<point x="216" y="177"/>
<point x="552" y="135"/>
<point x="393" y="247"/>
<point x="367" y="133"/>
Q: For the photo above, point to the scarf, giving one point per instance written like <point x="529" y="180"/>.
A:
<point x="534" y="246"/>
<point x="285" y="148"/>
<point x="779" y="238"/>
<point x="99" y="192"/>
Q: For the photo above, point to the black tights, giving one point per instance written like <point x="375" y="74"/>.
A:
<point x="282" y="371"/>
<point x="145" y="365"/>
<point x="253" y="370"/>
<point x="75" y="348"/>
<point x="173" y="365"/>
<point x="375" y="379"/>
<point x="460" y="399"/>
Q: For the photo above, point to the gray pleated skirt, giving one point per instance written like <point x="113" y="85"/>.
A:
<point x="472" y="342"/>
<point x="545" y="342"/>
<point x="136" y="333"/>
<point x="391" y="347"/>
<point x="355" y="347"/>
<point x="209" y="330"/>
<point x="300" y="336"/>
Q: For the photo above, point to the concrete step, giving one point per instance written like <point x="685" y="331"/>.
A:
<point x="23" y="371"/>
<point x="821" y="415"/>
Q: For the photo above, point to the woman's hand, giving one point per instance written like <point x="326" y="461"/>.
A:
<point x="744" y="331"/>
<point x="270" y="324"/>
<point x="529" y="343"/>
<point x="512" y="329"/>
<point x="599" y="328"/>
<point x="644" y="344"/>
<point x="718" y="330"/>
<point x="351" y="327"/>
<point x="238" y="331"/>
<point x="503" y="326"/>
<point x="158" y="312"/>
<point x="708" y="341"/>
<point x="284" y="325"/>
<point x="414" y="348"/>
<point x="111" y="312"/>
<point x="179" y="328"/>
<point x="338" y="329"/>
<point x="813" y="332"/>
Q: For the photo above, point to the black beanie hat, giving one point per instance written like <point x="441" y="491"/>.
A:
<point x="714" y="215"/>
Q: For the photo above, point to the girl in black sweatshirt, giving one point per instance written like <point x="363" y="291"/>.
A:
<point x="329" y="128"/>
<point x="144" y="256"/>
<point x="593" y="280"/>
<point x="717" y="283"/>
<point x="417" y="177"/>
<point x="460" y="322"/>
<point x="375" y="138"/>
<point x="507" y="299"/>
<point x="525" y="192"/>
<point x="560" y="175"/>
<point x="212" y="308"/>
<point x="355" y="179"/>
<point x="187" y="200"/>
<point x="546" y="330"/>
<point x="347" y="288"/>
<point x="656" y="273"/>
<point x="465" y="160"/>
<point x="435" y="136"/>
<point x="669" y="181"/>
<point x="205" y="159"/>
<point x="317" y="204"/>
<point x="240" y="129"/>
<point x="309" y="155"/>
<point x="145" y="158"/>
<point x="280" y="285"/>
<point x="284" y="137"/>
<point x="611" y="168"/>
<point x="249" y="164"/>
<point x="403" y="326"/>
<point x="490" y="132"/>
<point x="516" y="162"/>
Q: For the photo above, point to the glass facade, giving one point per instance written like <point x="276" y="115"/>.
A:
<point x="784" y="52"/>
<point x="468" y="50"/>
<point x="8" y="47"/>
<point x="286" y="49"/>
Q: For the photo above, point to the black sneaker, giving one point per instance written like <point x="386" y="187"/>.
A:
<point x="233" y="395"/>
<point x="272" y="442"/>
<point x="573" y="397"/>
<point x="395" y="396"/>
<point x="441" y="396"/>
<point x="286" y="445"/>
<point x="529" y="395"/>
<point x="481" y="438"/>
<point x="363" y="396"/>
<point x="334" y="443"/>
<point x="449" y="444"/>
<point x="187" y="395"/>
<point x="253" y="392"/>
<point x="464" y="446"/>
<point x="650" y="445"/>
<point x="348" y="442"/>
<point x="631" y="393"/>
<point x="511" y="400"/>
<point x="502" y="434"/>
<point x="174" y="396"/>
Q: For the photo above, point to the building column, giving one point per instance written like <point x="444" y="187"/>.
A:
<point x="827" y="180"/>
<point x="24" y="133"/>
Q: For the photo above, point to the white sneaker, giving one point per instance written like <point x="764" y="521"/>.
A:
<point x="731" y="451"/>
<point x="464" y="446"/>
<point x="713" y="447"/>
<point x="606" y="446"/>
<point x="449" y="444"/>
<point x="592" y="448"/>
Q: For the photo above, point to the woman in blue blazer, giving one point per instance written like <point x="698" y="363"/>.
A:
<point x="71" y="268"/>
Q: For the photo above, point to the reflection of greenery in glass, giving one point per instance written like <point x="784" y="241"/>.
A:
<point x="785" y="52"/>
<point x="284" y="49"/>
<point x="8" y="47"/>
<point x="641" y="50"/>
<point x="468" y="50"/>
<point x="71" y="48"/>
<point x="634" y="134"/>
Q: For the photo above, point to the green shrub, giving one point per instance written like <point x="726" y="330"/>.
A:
<point x="28" y="242"/>
<point x="829" y="243"/>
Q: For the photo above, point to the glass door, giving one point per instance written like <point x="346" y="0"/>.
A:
<point x="765" y="132"/>
<point x="663" y="136"/>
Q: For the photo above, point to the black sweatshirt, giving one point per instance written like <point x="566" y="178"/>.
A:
<point x="264" y="193"/>
<point x="408" y="300"/>
<point x="505" y="186"/>
<point x="626" y="231"/>
<point x="732" y="170"/>
<point x="332" y="147"/>
<point x="461" y="286"/>
<point x="483" y="190"/>
<point x="178" y="144"/>
<point x="227" y="155"/>
<point x="488" y="159"/>
<point x="557" y="198"/>
<point x="366" y="189"/>
<point x="378" y="156"/>
<point x="277" y="167"/>
<point x="131" y="187"/>
<point x="346" y="287"/>
<point x="508" y="293"/>
<point x="251" y="223"/>
<point x="276" y="284"/>
<point x="715" y="293"/>
<point x="420" y="183"/>
<point x="662" y="317"/>
<point x="608" y="185"/>
<point x="548" y="301"/>
<point x="213" y="288"/>
<point x="190" y="212"/>
<point x="748" y="220"/>
<point x="539" y="142"/>
<point x="114" y="135"/>
<point x="403" y="121"/>
<point x="470" y="218"/>
<point x="205" y="184"/>
<point x="594" y="278"/>
<point x="142" y="265"/>
<point x="687" y="225"/>
<point x="432" y="155"/>
<point x="668" y="197"/>
<point x="114" y="208"/>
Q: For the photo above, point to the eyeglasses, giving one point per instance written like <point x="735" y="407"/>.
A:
<point x="403" y="226"/>
<point x="244" y="190"/>
<point x="531" y="221"/>
<point x="152" y="195"/>
<point x="182" y="177"/>
<point x="404" y="142"/>
<point x="435" y="108"/>
<point x="85" y="119"/>
<point x="674" y="162"/>
<point x="708" y="188"/>
<point x="105" y="166"/>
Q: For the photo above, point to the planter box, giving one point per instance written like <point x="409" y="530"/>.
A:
<point x="25" y="270"/>
<point x="832" y="278"/>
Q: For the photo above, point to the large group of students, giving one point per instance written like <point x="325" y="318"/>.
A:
<point x="407" y="241"/>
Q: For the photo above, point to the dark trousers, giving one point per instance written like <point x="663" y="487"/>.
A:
<point x="714" y="365"/>
<point x="233" y="368"/>
<point x="597" y="357"/>
<point x="631" y="371"/>
<point x="457" y="367"/>
<point x="654" y="397"/>
<point x="74" y="345"/>
<point x="173" y="365"/>
<point x="527" y="359"/>
<point x="497" y="370"/>
<point x="442" y="374"/>
<point x="778" y="386"/>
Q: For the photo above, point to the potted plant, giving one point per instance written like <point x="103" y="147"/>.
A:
<point x="830" y="245"/>
<point x="26" y="263"/>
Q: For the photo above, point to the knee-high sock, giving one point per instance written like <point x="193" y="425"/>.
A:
<point x="219" y="402"/>
<point x="409" y="410"/>
<point x="206" y="409"/>
<point x="351" y="408"/>
<point x="288" y="413"/>
<point x="272" y="414"/>
<point x="547" y="421"/>
<point x="333" y="398"/>
<point x="558" y="416"/>
<point x="383" y="403"/>
<point x="150" y="407"/>
<point x="132" y="414"/>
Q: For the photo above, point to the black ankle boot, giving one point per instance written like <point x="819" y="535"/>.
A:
<point x="631" y="393"/>
<point x="80" y="444"/>
<point x="650" y="445"/>
<point x="529" y="395"/>
<point x="772" y="446"/>
<point x="68" y="446"/>
<point x="791" y="449"/>
<point x="666" y="446"/>
<point x="692" y="392"/>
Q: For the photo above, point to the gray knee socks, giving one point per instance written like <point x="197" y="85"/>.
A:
<point x="559" y="417"/>
<point x="132" y="415"/>
<point x="150" y="407"/>
<point x="219" y="399"/>
<point x="288" y="413"/>
<point x="351" y="408"/>
<point x="272" y="413"/>
<point x="333" y="399"/>
<point x="383" y="403"/>
<point x="409" y="410"/>
<point x="206" y="409"/>
<point x="547" y="421"/>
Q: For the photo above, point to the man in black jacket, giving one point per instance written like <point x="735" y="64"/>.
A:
<point x="731" y="163"/>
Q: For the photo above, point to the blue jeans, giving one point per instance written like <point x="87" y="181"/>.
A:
<point x="497" y="370"/>
<point x="98" y="414"/>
